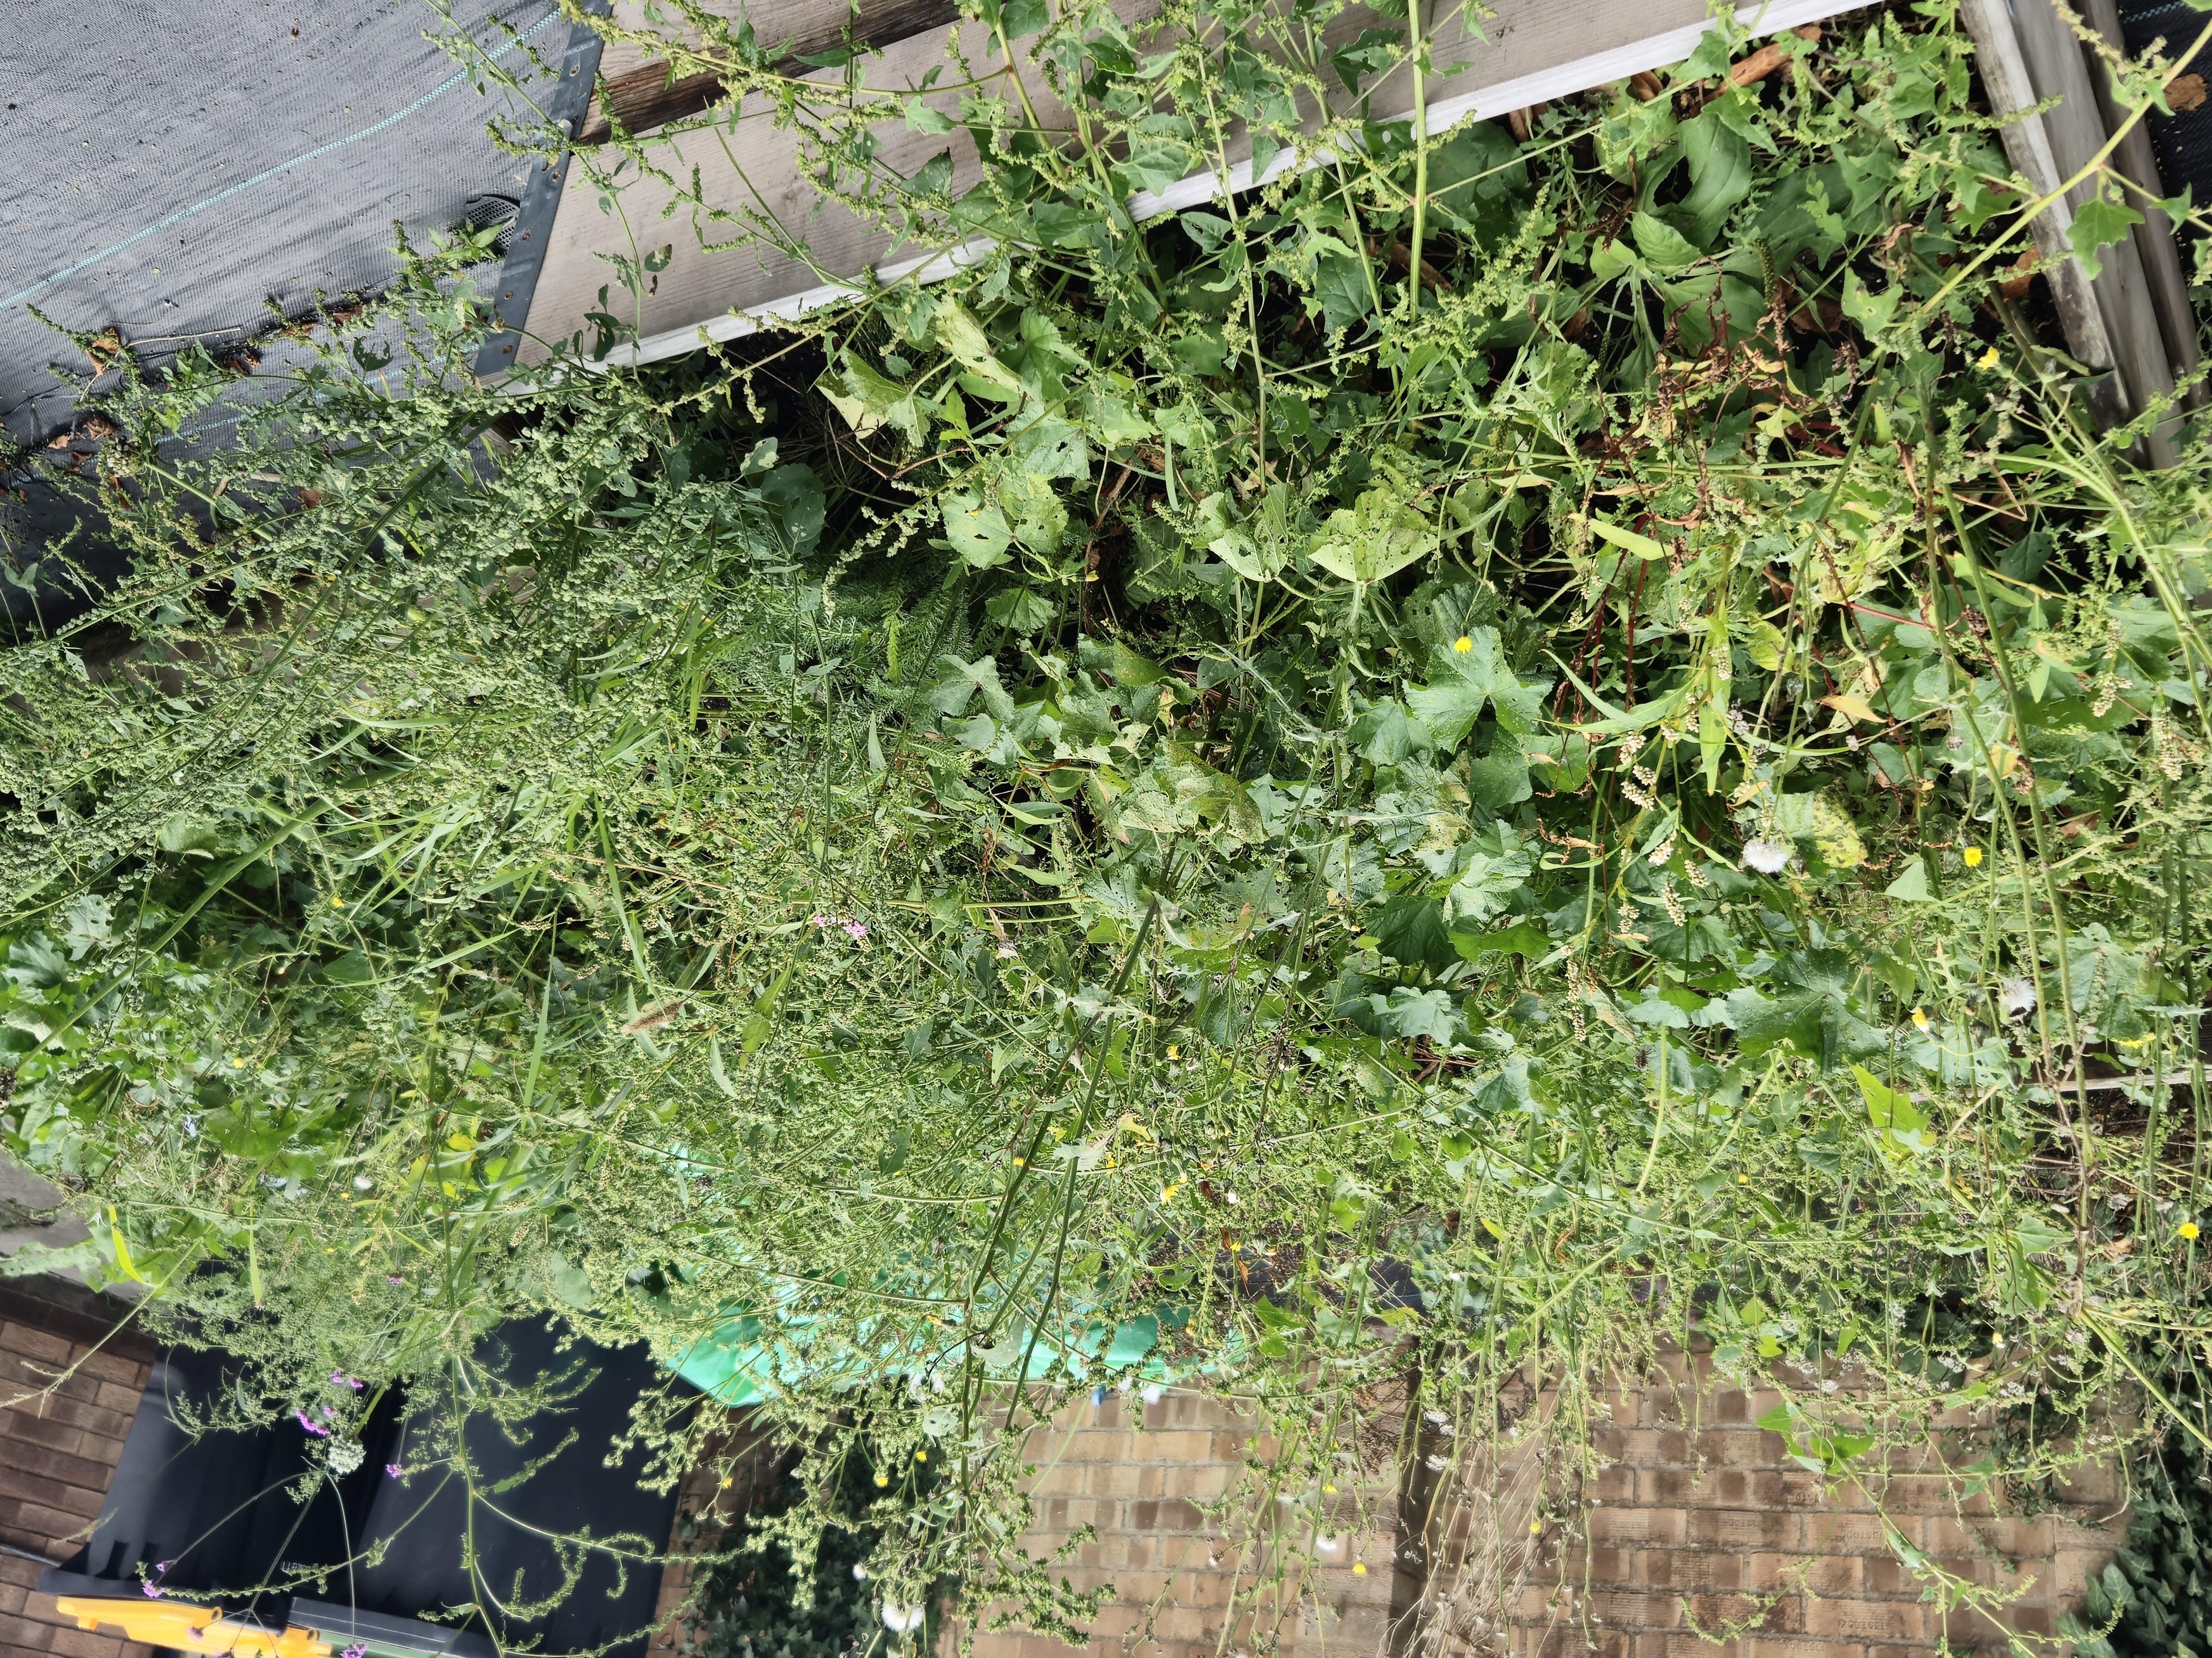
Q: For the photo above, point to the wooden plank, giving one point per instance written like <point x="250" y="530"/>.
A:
<point x="644" y="95"/>
<point x="1531" y="51"/>
<point x="2154" y="237"/>
<point x="2077" y="131"/>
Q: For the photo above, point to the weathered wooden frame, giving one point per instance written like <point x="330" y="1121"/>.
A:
<point x="1530" y="52"/>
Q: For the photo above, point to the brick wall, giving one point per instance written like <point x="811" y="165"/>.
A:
<point x="1198" y="1564"/>
<point x="735" y="1466"/>
<point x="1702" y="1536"/>
<point x="1698" y="1521"/>
<point x="66" y="1401"/>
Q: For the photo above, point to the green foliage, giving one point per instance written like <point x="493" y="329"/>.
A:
<point x="1652" y="791"/>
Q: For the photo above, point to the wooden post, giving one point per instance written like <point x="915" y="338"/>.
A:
<point x="2154" y="237"/>
<point x="2027" y="54"/>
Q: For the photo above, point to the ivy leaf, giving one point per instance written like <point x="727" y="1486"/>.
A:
<point x="2098" y="223"/>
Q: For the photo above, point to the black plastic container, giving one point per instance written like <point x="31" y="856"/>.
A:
<point x="376" y="1558"/>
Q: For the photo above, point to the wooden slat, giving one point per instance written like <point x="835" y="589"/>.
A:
<point x="645" y="97"/>
<point x="2076" y="126"/>
<point x="1531" y="51"/>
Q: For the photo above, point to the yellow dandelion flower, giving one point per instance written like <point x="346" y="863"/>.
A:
<point x="883" y="1479"/>
<point x="2189" y="1230"/>
<point x="237" y="1065"/>
<point x="921" y="1456"/>
<point x="1743" y="1180"/>
<point x="1462" y="645"/>
<point x="1920" y="1018"/>
<point x="1973" y="856"/>
<point x="1536" y="1528"/>
<point x="1167" y="1192"/>
<point x="1359" y="1569"/>
<point x="1328" y="1490"/>
<point x="1988" y="358"/>
<point x="1174" y="1053"/>
<point x="337" y="903"/>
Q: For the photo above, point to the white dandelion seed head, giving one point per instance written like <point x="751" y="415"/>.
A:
<point x="901" y="1620"/>
<point x="1767" y="857"/>
<point x="2018" y="996"/>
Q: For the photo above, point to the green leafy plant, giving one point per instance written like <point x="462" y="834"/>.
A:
<point x="1497" y="753"/>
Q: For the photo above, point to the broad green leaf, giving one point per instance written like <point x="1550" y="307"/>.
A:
<point x="1720" y="173"/>
<point x="977" y="530"/>
<point x="1629" y="541"/>
<point x="1386" y="735"/>
<point x="923" y="118"/>
<point x="1869" y="310"/>
<point x="1615" y="259"/>
<point x="2099" y="223"/>
<point x="1522" y="938"/>
<point x="1412" y="929"/>
<point x="1819" y="821"/>
<point x="1377" y="536"/>
<point x="1665" y="247"/>
<point x="1912" y="885"/>
<point x="1340" y="285"/>
<point x="1902" y="1128"/>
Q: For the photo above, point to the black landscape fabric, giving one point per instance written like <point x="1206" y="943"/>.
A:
<point x="176" y="171"/>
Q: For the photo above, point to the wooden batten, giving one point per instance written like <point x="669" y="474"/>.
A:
<point x="2117" y="325"/>
<point x="760" y="204"/>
